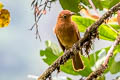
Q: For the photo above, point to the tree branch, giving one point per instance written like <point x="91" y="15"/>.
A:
<point x="102" y="68"/>
<point x="89" y="36"/>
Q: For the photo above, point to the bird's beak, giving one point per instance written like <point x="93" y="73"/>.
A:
<point x="72" y="13"/>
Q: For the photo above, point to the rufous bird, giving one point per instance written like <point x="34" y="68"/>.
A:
<point x="67" y="34"/>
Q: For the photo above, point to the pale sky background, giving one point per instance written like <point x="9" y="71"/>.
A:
<point x="19" y="50"/>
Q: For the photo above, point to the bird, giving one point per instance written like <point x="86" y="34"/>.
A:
<point x="67" y="34"/>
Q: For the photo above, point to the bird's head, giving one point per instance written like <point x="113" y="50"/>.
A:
<point x="65" y="15"/>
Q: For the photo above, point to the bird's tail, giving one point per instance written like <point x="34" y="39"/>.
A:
<point x="77" y="62"/>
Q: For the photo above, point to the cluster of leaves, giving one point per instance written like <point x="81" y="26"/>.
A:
<point x="73" y="5"/>
<point x="4" y="16"/>
<point x="52" y="52"/>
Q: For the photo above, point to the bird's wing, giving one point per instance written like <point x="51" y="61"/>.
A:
<point x="78" y="35"/>
<point x="77" y="31"/>
<point x="63" y="48"/>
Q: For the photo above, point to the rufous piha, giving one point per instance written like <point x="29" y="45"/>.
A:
<point x="67" y="34"/>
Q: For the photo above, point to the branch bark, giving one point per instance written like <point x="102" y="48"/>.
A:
<point x="90" y="34"/>
<point x="102" y="68"/>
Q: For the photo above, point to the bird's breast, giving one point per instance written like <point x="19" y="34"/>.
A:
<point x="67" y="35"/>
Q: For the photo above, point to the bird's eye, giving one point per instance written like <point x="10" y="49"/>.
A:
<point x="64" y="16"/>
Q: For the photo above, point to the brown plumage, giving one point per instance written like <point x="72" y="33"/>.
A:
<point x="67" y="34"/>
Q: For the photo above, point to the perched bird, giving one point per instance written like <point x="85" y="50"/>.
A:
<point x="67" y="34"/>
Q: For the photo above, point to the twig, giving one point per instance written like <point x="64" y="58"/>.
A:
<point x="93" y="6"/>
<point x="102" y="68"/>
<point x="110" y="52"/>
<point x="40" y="9"/>
<point x="89" y="35"/>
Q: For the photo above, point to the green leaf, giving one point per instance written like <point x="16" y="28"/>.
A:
<point x="107" y="3"/>
<point x="53" y="46"/>
<point x="82" y="22"/>
<point x="71" y="5"/>
<point x="113" y="2"/>
<point x="98" y="4"/>
<point x="49" y="56"/>
<point x="105" y="32"/>
<point x="115" y="67"/>
<point x="69" y="78"/>
<point x="85" y="2"/>
<point x="117" y="49"/>
<point x="116" y="27"/>
<point x="111" y="61"/>
<point x="101" y="57"/>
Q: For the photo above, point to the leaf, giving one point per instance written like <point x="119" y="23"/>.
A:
<point x="105" y="3"/>
<point x="71" y="5"/>
<point x="105" y="32"/>
<point x="109" y="3"/>
<point x="115" y="26"/>
<point x="101" y="4"/>
<point x="117" y="49"/>
<point x="82" y="22"/>
<point x="4" y="18"/>
<point x="113" y="2"/>
<point x="85" y="2"/>
<point x="101" y="57"/>
<point x="98" y="4"/>
<point x="111" y="61"/>
<point x="1" y="6"/>
<point x="69" y="78"/>
<point x="49" y="57"/>
<point x="115" y="67"/>
<point x="53" y="46"/>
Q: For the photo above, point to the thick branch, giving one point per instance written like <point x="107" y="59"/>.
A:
<point x="76" y="47"/>
<point x="102" y="68"/>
